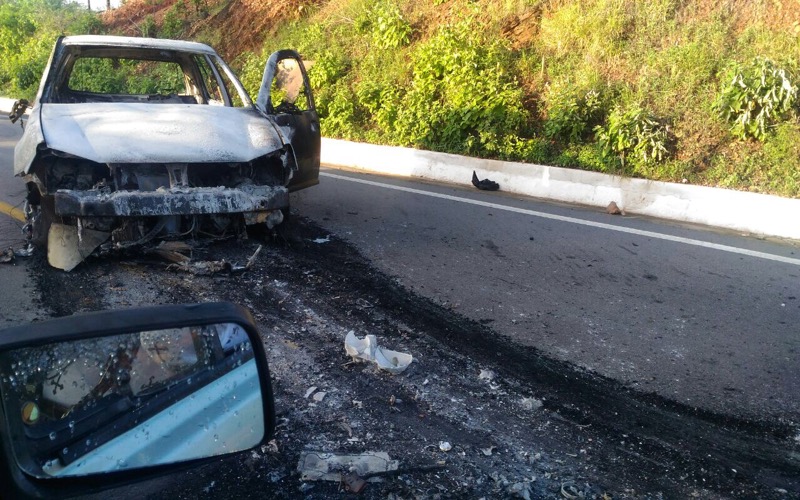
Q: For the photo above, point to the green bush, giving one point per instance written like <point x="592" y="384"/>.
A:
<point x="771" y="167"/>
<point x="148" y="26"/>
<point x="634" y="137"/>
<point x="756" y="98"/>
<point x="571" y="115"/>
<point x="384" y="22"/>
<point x="173" y="22"/>
<point x="461" y="95"/>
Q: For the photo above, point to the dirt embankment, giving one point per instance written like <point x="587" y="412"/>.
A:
<point x="232" y="26"/>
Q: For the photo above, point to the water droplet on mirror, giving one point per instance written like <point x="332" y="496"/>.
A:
<point x="52" y="436"/>
<point x="64" y="451"/>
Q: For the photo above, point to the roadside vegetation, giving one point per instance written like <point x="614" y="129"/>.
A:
<point x="701" y="92"/>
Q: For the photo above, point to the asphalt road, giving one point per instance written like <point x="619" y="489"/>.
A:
<point x="704" y="318"/>
<point x="16" y="293"/>
<point x="688" y="317"/>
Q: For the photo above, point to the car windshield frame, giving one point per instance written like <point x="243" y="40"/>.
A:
<point x="196" y="89"/>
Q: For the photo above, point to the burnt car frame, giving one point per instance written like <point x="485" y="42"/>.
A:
<point x="112" y="163"/>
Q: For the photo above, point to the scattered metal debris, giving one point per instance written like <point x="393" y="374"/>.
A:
<point x="7" y="256"/>
<point x="570" y="491"/>
<point x="318" y="466"/>
<point x="485" y="184"/>
<point x="177" y="252"/>
<point x="24" y="252"/>
<point x="367" y="349"/>
<point x="531" y="403"/>
<point x="202" y="268"/>
<point x="17" y="110"/>
<point x="520" y="490"/>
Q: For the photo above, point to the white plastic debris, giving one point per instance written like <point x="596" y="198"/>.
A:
<point x="445" y="446"/>
<point x="316" y="466"/>
<point x="531" y="403"/>
<point x="318" y="397"/>
<point x="486" y="375"/>
<point x="367" y="349"/>
<point x="310" y="391"/>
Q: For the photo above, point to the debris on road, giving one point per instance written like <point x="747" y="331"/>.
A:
<point x="24" y="252"/>
<point x="520" y="490"/>
<point x="445" y="446"/>
<point x="203" y="268"/>
<point x="176" y="252"/>
<point x="531" y="403"/>
<point x="7" y="256"/>
<point x="614" y="209"/>
<point x="485" y="184"/>
<point x="367" y="349"/>
<point x="318" y="466"/>
<point x="18" y="109"/>
<point x="67" y="246"/>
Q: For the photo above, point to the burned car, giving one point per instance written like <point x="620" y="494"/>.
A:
<point x="135" y="139"/>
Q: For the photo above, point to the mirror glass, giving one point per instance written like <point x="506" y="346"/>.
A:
<point x="288" y="92"/>
<point x="134" y="400"/>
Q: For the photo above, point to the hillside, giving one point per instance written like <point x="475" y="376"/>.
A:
<point x="703" y="92"/>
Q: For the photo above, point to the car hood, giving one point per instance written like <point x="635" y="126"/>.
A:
<point x="158" y="133"/>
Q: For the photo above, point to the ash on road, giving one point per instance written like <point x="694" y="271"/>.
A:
<point x="520" y="424"/>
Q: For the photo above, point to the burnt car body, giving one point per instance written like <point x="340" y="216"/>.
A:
<point x="134" y="139"/>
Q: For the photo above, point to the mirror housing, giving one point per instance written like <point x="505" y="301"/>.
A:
<point x="214" y="377"/>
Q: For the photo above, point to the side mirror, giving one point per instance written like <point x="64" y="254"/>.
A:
<point x="104" y="399"/>
<point x="18" y="110"/>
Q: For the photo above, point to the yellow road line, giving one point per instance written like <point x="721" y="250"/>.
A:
<point x="13" y="212"/>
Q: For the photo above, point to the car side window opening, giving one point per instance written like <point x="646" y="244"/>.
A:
<point x="233" y="93"/>
<point x="220" y="90"/>
<point x="213" y="90"/>
<point x="288" y="93"/>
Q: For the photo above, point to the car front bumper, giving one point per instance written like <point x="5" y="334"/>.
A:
<point x="175" y="201"/>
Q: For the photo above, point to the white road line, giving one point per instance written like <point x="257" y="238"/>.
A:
<point x="572" y="220"/>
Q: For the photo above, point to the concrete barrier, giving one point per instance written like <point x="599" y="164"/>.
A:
<point x="740" y="211"/>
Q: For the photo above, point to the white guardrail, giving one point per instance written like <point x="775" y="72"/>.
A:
<point x="754" y="213"/>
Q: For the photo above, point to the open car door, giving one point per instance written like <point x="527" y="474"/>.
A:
<point x="285" y="95"/>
